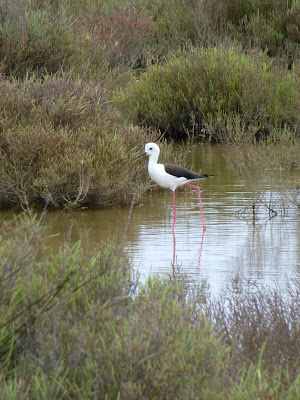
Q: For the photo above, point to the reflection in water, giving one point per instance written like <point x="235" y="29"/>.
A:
<point x="174" y="244"/>
<point x="232" y="243"/>
<point x="173" y="231"/>
<point x="200" y="202"/>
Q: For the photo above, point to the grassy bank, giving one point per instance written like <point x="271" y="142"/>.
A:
<point x="80" y="326"/>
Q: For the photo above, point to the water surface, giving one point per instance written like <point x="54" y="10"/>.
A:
<point x="263" y="248"/>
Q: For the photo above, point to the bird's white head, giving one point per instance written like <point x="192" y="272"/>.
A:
<point x="151" y="150"/>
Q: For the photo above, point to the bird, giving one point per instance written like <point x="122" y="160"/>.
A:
<point x="171" y="176"/>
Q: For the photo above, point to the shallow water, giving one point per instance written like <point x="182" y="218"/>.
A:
<point x="264" y="248"/>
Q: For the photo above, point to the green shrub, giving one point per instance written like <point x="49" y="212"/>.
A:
<point x="205" y="88"/>
<point x="274" y="27"/>
<point x="33" y="39"/>
<point x="62" y="144"/>
<point x="77" y="325"/>
<point x="255" y="383"/>
<point x="89" y="37"/>
<point x="268" y="25"/>
<point x="74" y="324"/>
<point x="41" y="166"/>
<point x="118" y="36"/>
<point x="33" y="283"/>
<point x="59" y="100"/>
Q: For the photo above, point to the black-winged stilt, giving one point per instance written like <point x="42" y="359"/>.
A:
<point x="170" y="176"/>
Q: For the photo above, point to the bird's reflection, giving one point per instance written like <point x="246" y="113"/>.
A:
<point x="174" y="244"/>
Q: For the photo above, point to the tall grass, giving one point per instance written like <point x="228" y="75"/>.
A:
<point x="262" y="323"/>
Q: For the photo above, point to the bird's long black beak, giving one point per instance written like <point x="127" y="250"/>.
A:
<point x="141" y="155"/>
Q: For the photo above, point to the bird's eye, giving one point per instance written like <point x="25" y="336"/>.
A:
<point x="150" y="148"/>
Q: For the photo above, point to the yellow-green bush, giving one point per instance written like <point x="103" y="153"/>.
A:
<point x="86" y="37"/>
<point x="33" y="39"/>
<point x="62" y="144"/>
<point x="74" y="325"/>
<point x="77" y="325"/>
<point x="202" y="88"/>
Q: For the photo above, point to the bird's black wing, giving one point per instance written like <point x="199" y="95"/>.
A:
<point x="175" y="170"/>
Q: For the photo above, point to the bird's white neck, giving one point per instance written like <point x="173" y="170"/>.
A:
<point x="153" y="159"/>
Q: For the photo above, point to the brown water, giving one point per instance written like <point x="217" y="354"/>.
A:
<point x="267" y="249"/>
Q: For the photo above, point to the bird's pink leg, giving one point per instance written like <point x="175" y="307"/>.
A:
<point x="174" y="220"/>
<point x="200" y="203"/>
<point x="174" y="212"/>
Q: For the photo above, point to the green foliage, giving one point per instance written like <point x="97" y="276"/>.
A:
<point x="268" y="25"/>
<point x="76" y="325"/>
<point x="88" y="37"/>
<point x="204" y="89"/>
<point x="32" y="39"/>
<point x="62" y="144"/>
<point x="256" y="384"/>
<point x="273" y="26"/>
<point x="118" y="35"/>
<point x="73" y="324"/>
<point x="61" y="139"/>
<point x="59" y="100"/>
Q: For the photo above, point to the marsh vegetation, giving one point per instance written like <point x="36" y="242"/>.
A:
<point x="78" y="325"/>
<point x="83" y="86"/>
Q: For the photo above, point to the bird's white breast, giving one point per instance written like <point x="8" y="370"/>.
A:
<point x="161" y="177"/>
